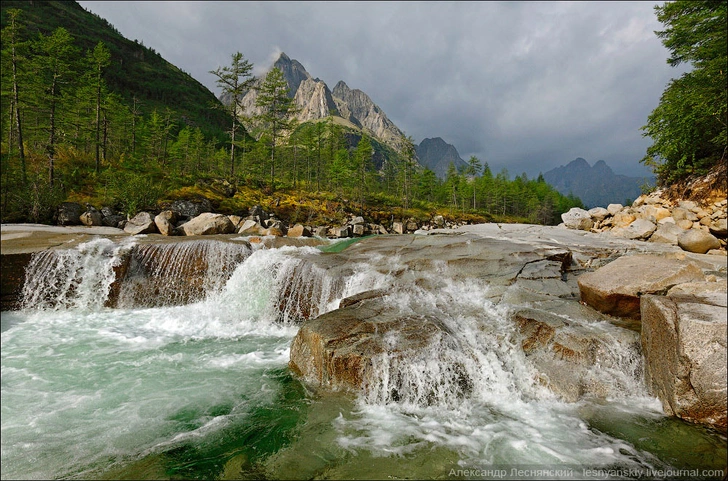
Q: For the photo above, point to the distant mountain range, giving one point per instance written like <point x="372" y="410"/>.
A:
<point x="596" y="186"/>
<point x="436" y="155"/>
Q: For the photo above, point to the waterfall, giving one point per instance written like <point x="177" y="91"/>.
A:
<point x="80" y="278"/>
<point x="179" y="272"/>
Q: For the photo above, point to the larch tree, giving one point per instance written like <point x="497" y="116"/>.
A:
<point x="235" y="80"/>
<point x="277" y="112"/>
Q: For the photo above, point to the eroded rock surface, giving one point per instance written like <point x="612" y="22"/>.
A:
<point x="684" y="342"/>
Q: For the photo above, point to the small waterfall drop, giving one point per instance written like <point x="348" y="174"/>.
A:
<point x="80" y="278"/>
<point x="179" y="272"/>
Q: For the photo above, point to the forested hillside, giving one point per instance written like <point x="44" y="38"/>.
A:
<point x="89" y="116"/>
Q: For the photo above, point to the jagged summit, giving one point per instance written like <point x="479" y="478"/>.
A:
<point x="293" y="71"/>
<point x="315" y="101"/>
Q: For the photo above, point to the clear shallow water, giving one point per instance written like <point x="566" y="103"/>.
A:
<point x="202" y="391"/>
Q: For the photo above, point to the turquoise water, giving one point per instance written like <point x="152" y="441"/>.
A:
<point x="203" y="391"/>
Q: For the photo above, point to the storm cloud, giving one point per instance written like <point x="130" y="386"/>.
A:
<point x="526" y="86"/>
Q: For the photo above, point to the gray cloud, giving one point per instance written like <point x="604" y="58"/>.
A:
<point x="526" y="86"/>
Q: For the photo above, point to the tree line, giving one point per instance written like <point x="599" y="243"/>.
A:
<point x="67" y="136"/>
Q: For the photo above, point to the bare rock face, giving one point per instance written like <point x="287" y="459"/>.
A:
<point x="142" y="223"/>
<point x="299" y="230"/>
<point x="697" y="241"/>
<point x="364" y="112"/>
<point x="314" y="100"/>
<point x="616" y="288"/>
<point x="208" y="223"/>
<point x="684" y="343"/>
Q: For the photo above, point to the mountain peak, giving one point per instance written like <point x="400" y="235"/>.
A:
<point x="293" y="72"/>
<point x="436" y="155"/>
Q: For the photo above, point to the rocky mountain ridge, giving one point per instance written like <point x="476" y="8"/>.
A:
<point x="314" y="100"/>
<point x="595" y="185"/>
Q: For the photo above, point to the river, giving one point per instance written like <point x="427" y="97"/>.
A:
<point x="169" y="385"/>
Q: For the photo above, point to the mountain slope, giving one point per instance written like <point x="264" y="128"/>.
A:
<point x="596" y="186"/>
<point x="436" y="155"/>
<point x="135" y="70"/>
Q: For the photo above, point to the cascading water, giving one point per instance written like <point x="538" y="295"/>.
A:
<point x="196" y="386"/>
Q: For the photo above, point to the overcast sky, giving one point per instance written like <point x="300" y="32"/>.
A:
<point x="528" y="86"/>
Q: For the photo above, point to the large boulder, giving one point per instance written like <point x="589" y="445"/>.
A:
<point x="684" y="344"/>
<point x="719" y="228"/>
<point x="69" y="213"/>
<point x="578" y="219"/>
<point x="345" y="348"/>
<point x="165" y="222"/>
<point x="187" y="209"/>
<point x="299" y="230"/>
<point x="698" y="241"/>
<point x="208" y="223"/>
<point x="639" y="229"/>
<point x="142" y="223"/>
<point x="575" y="360"/>
<point x="666" y="233"/>
<point x="616" y="288"/>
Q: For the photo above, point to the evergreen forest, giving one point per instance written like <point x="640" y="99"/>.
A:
<point x="91" y="117"/>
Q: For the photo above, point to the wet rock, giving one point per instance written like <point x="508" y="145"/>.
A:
<point x="113" y="220"/>
<point x="572" y="360"/>
<point x="343" y="349"/>
<point x="684" y="344"/>
<point x="208" y="223"/>
<point x="697" y="241"/>
<point x="142" y="223"/>
<point x="616" y="288"/>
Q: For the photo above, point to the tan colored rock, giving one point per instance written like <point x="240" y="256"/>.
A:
<point x="623" y="219"/>
<point x="250" y="227"/>
<point x="684" y="343"/>
<point x="91" y="217"/>
<point x="680" y="213"/>
<point x="236" y="220"/>
<point x="208" y="223"/>
<point x="639" y="229"/>
<point x="273" y="231"/>
<point x="666" y="234"/>
<point x="698" y="241"/>
<point x="684" y="224"/>
<point x="165" y="221"/>
<point x="598" y="213"/>
<point x="398" y="227"/>
<point x="299" y="230"/>
<point x="142" y="223"/>
<point x="656" y="212"/>
<point x="340" y="349"/>
<point x="719" y="228"/>
<point x="616" y="288"/>
<point x="614" y="208"/>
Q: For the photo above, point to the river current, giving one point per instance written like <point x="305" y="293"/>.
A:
<point x="169" y="385"/>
